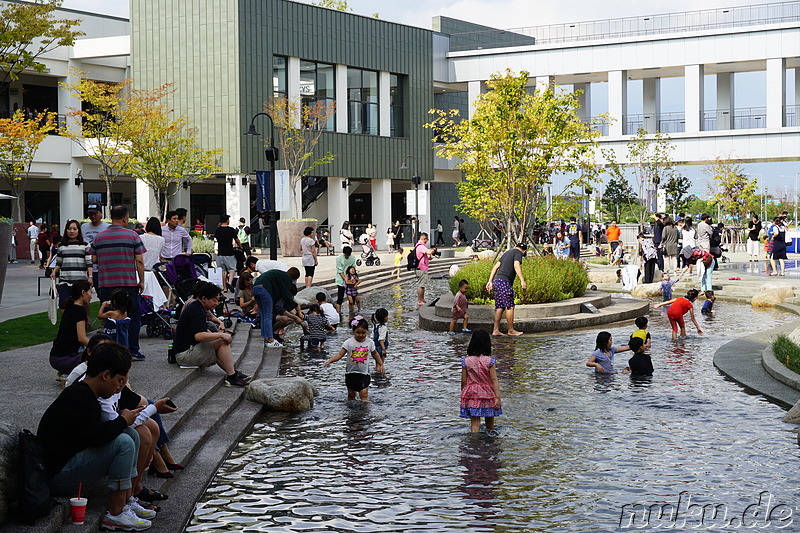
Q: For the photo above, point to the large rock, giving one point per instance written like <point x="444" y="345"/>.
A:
<point x="646" y="290"/>
<point x="793" y="416"/>
<point x="9" y="451"/>
<point x="308" y="296"/>
<point x="771" y="295"/>
<point x="283" y="394"/>
<point x="602" y="276"/>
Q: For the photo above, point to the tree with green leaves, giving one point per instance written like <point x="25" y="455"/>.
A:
<point x="97" y="126"/>
<point x="618" y="194"/>
<point x="20" y="138"/>
<point x="677" y="189"/>
<point x="164" y="150"/>
<point x="733" y="190"/>
<point x="511" y="147"/>
<point x="299" y="128"/>
<point x="650" y="157"/>
<point x="27" y="31"/>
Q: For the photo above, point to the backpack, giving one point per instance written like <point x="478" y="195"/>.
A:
<point x="413" y="260"/>
<point x="716" y="237"/>
<point x="33" y="491"/>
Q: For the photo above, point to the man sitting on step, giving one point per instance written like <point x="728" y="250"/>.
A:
<point x="195" y="345"/>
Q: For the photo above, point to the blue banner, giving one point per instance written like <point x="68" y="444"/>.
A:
<point x="263" y="202"/>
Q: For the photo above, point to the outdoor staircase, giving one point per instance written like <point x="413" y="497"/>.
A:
<point x="210" y="421"/>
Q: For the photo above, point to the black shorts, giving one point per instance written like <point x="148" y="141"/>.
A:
<point x="356" y="382"/>
<point x="340" y="294"/>
<point x="309" y="271"/>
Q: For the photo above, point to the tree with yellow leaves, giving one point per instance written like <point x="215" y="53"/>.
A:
<point x="20" y="138"/>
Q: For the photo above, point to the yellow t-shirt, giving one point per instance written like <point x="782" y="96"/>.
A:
<point x="641" y="333"/>
<point x="398" y="258"/>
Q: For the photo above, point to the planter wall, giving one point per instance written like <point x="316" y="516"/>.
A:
<point x="290" y="232"/>
<point x="5" y="245"/>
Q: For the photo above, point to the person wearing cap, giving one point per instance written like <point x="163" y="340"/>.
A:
<point x="244" y="236"/>
<point x="89" y="230"/>
<point x="501" y="282"/>
<point x="176" y="239"/>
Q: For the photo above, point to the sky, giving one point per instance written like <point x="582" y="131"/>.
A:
<point x="509" y="14"/>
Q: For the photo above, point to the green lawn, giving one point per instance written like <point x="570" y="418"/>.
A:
<point x="33" y="329"/>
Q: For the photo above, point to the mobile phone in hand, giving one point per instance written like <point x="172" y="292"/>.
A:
<point x="171" y="404"/>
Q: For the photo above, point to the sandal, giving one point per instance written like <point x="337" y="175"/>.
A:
<point x="151" y="495"/>
<point x="175" y="466"/>
<point x="148" y="505"/>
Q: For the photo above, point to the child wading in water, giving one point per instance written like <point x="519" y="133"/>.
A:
<point x="358" y="349"/>
<point x="602" y="358"/>
<point x="679" y="307"/>
<point x="480" y="389"/>
<point x="351" y="288"/>
<point x="640" y="364"/>
<point x="459" y="309"/>
<point x="398" y="260"/>
<point x="115" y="316"/>
<point x="380" y="332"/>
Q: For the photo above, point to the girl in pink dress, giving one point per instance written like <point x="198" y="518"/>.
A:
<point x="480" y="390"/>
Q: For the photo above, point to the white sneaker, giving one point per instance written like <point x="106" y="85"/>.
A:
<point x="273" y="344"/>
<point x="140" y="511"/>
<point x="125" y="521"/>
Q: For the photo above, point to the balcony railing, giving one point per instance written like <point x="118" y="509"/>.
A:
<point x="790" y="114"/>
<point x="651" y="123"/>
<point x="61" y="122"/>
<point x="686" y="21"/>
<point x="744" y="118"/>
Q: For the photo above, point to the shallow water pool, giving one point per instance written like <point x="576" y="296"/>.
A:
<point x="575" y="452"/>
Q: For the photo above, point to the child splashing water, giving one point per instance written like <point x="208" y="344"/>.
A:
<point x="602" y="358"/>
<point x="480" y="389"/>
<point x="358" y="349"/>
<point x="114" y="313"/>
<point x="679" y="307"/>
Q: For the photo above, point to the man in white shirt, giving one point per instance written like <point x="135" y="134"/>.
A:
<point x="33" y="235"/>
<point x="90" y="229"/>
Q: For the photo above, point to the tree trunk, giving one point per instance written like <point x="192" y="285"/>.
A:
<point x="108" y="198"/>
<point x="18" y="210"/>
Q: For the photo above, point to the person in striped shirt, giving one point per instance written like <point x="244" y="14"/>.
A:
<point x="118" y="253"/>
<point x="73" y="263"/>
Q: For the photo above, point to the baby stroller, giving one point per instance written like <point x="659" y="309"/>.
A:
<point x="156" y="321"/>
<point x="367" y="252"/>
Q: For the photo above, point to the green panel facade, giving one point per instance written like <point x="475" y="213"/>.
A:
<point x="193" y="44"/>
<point x="219" y="54"/>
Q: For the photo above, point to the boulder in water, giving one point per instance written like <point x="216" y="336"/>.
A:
<point x="771" y="295"/>
<point x="306" y="297"/>
<point x="646" y="290"/>
<point x="793" y="416"/>
<point x="283" y="394"/>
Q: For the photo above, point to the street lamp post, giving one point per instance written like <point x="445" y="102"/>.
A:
<point x="271" y="153"/>
<point x="416" y="180"/>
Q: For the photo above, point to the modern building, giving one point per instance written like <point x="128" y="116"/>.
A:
<point x="681" y="73"/>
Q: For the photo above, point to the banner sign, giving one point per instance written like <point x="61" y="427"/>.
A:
<point x="283" y="195"/>
<point x="262" y="191"/>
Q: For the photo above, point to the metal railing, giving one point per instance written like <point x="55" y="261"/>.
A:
<point x="60" y="122"/>
<point x="737" y="119"/>
<point x="651" y="123"/>
<point x="790" y="115"/>
<point x="686" y="21"/>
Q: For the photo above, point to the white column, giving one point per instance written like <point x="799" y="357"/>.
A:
<point x="725" y="100"/>
<point x="342" y="107"/>
<point x="146" y="204"/>
<point x="584" y="100"/>
<point x="382" y="208"/>
<point x="70" y="196"/>
<point x="651" y="104"/>
<point x="776" y="91"/>
<point x="474" y="89"/>
<point x="694" y="81"/>
<point x="617" y="101"/>
<point x="338" y="207"/>
<point x="545" y="82"/>
<point x="181" y="198"/>
<point x="237" y="198"/>
<point x="293" y="83"/>
<point x="384" y="104"/>
<point x="796" y="95"/>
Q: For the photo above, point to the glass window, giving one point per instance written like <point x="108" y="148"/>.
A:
<point x="318" y="88"/>
<point x="396" y="105"/>
<point x="362" y="94"/>
<point x="279" y="77"/>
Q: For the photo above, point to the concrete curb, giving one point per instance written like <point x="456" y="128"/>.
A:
<point x="777" y="370"/>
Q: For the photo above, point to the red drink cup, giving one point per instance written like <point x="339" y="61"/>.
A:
<point x="78" y="506"/>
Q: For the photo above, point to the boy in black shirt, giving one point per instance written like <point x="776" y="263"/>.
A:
<point x="640" y="364"/>
<point x="79" y="448"/>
